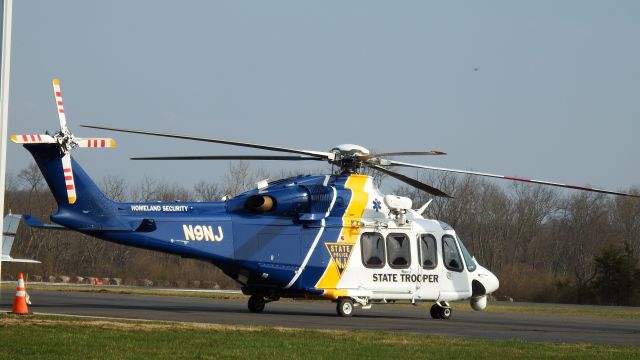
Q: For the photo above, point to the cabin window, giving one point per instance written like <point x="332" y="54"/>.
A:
<point x="398" y="252"/>
<point x="450" y="254"/>
<point x="428" y="252"/>
<point x="372" y="250"/>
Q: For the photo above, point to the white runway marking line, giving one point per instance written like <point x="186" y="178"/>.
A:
<point x="105" y="318"/>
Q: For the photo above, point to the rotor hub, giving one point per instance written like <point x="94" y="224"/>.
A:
<point x="66" y="140"/>
<point x="348" y="157"/>
<point x="352" y="149"/>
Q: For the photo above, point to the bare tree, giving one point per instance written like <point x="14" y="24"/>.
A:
<point x="532" y="206"/>
<point x="624" y="216"/>
<point x="207" y="191"/>
<point x="241" y="177"/>
<point x="171" y="192"/>
<point x="145" y="191"/>
<point x="584" y="228"/>
<point x="31" y="178"/>
<point x="114" y="187"/>
<point x="12" y="184"/>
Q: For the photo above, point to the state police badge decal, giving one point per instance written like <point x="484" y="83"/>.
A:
<point x="340" y="253"/>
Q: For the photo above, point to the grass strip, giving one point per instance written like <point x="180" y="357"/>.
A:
<point x="57" y="337"/>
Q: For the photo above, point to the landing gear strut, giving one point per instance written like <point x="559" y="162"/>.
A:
<point x="256" y="303"/>
<point x="441" y="311"/>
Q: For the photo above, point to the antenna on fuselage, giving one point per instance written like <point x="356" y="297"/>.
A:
<point x="424" y="207"/>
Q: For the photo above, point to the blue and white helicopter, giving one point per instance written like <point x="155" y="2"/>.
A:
<point x="333" y="237"/>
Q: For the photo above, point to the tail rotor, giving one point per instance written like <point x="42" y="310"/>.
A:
<point x="66" y="142"/>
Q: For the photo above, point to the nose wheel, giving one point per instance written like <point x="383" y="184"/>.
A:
<point x="441" y="311"/>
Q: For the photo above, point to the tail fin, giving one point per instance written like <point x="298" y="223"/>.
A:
<point x="81" y="204"/>
<point x="11" y="223"/>
<point x="91" y="209"/>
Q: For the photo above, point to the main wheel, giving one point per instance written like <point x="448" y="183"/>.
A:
<point x="256" y="303"/>
<point x="345" y="307"/>
<point x="436" y="311"/>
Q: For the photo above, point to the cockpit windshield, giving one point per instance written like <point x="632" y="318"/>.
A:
<point x="468" y="259"/>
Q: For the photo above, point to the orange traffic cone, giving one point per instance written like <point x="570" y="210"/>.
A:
<point x="20" y="302"/>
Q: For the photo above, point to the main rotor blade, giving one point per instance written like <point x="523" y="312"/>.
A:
<point x="576" y="187"/>
<point x="318" y="154"/>
<point x="229" y="157"/>
<point x="413" y="182"/>
<point x="402" y="153"/>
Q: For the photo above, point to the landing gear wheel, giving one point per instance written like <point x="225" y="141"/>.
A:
<point x="256" y="303"/>
<point x="436" y="311"/>
<point x="445" y="313"/>
<point x="439" y="312"/>
<point x="345" y="307"/>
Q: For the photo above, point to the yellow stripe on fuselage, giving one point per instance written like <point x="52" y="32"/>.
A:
<point x="350" y="233"/>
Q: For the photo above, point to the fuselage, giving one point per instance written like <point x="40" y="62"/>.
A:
<point x="327" y="236"/>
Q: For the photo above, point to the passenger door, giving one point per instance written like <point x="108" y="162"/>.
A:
<point x="400" y="264"/>
<point x="427" y="286"/>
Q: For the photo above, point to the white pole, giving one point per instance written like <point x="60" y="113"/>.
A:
<point x="7" y="10"/>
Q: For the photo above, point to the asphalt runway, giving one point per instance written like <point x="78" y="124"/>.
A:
<point x="322" y="315"/>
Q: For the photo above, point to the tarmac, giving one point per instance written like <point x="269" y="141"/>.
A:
<point x="533" y="327"/>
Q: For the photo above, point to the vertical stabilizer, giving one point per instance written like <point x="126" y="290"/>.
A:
<point x="89" y="207"/>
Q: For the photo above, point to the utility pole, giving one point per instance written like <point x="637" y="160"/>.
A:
<point x="7" y="12"/>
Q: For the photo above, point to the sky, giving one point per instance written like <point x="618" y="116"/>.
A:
<point x="541" y="89"/>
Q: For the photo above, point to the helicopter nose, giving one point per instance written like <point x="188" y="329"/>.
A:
<point x="489" y="281"/>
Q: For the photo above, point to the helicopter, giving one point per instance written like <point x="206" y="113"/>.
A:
<point x="335" y="237"/>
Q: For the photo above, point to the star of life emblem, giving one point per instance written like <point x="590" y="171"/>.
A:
<point x="377" y="205"/>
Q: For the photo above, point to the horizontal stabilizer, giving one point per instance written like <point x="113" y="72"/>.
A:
<point x="145" y="225"/>
<point x="37" y="223"/>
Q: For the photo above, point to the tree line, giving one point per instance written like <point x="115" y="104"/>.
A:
<point x="543" y="244"/>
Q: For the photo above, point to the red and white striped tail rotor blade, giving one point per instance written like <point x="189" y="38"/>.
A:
<point x="33" y="139"/>
<point x="96" y="143"/>
<point x="68" y="178"/>
<point x="58" y="96"/>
